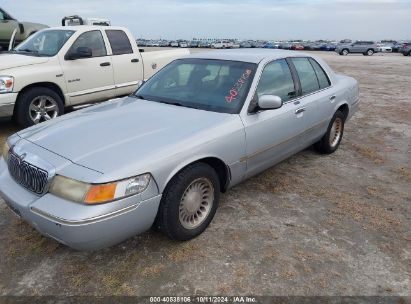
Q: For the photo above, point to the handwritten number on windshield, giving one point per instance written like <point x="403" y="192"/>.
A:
<point x="233" y="93"/>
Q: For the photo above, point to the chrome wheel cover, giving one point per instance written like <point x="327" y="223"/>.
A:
<point x="196" y="203"/>
<point x="345" y="52"/>
<point x="336" y="132"/>
<point x="43" y="108"/>
<point x="370" y="52"/>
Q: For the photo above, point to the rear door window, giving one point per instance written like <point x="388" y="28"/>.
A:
<point x="322" y="77"/>
<point x="120" y="44"/>
<point x="307" y="75"/>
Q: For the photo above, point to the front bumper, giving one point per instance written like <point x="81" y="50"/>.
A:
<point x="7" y="102"/>
<point x="76" y="225"/>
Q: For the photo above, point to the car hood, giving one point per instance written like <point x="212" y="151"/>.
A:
<point x="10" y="61"/>
<point x="107" y="136"/>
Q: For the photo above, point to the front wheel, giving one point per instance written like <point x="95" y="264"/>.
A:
<point x="370" y="52"/>
<point x="332" y="139"/>
<point x="37" y="105"/>
<point x="189" y="202"/>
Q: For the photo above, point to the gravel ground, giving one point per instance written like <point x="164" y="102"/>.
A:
<point x="312" y="225"/>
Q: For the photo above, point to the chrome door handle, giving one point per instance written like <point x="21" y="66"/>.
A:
<point x="300" y="110"/>
<point x="332" y="97"/>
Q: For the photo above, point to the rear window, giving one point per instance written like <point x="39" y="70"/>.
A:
<point x="120" y="44"/>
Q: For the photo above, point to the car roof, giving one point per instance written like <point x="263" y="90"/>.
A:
<point x="247" y="55"/>
<point x="85" y="27"/>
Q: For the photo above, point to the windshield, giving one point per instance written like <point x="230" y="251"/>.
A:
<point x="212" y="85"/>
<point x="44" y="43"/>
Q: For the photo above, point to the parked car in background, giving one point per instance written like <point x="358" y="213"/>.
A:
<point x="406" y="51"/>
<point x="204" y="44"/>
<point x="174" y="44"/>
<point x="163" y="155"/>
<point x="183" y="44"/>
<point x="404" y="45"/>
<point x="384" y="48"/>
<point x="367" y="48"/>
<point x="245" y="44"/>
<point x="66" y="66"/>
<point x="7" y="26"/>
<point x="77" y="20"/>
<point x="194" y="44"/>
<point x="222" y="45"/>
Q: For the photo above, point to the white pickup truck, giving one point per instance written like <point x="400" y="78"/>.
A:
<point x="66" y="66"/>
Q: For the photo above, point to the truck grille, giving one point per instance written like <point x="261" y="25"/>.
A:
<point x="30" y="177"/>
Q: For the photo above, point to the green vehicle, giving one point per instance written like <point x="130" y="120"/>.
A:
<point x="7" y="26"/>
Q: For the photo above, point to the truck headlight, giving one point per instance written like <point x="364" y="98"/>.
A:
<point x="98" y="193"/>
<point x="5" y="150"/>
<point x="6" y="84"/>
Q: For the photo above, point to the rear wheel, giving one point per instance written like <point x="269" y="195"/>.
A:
<point x="37" y="105"/>
<point x="332" y="139"/>
<point x="189" y="202"/>
<point x="345" y="52"/>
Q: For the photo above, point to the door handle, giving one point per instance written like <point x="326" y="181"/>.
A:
<point x="135" y="60"/>
<point x="332" y="97"/>
<point x="105" y="64"/>
<point x="300" y="110"/>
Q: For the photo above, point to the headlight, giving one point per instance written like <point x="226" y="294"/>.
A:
<point x="101" y="193"/>
<point x="6" y="84"/>
<point x="5" y="151"/>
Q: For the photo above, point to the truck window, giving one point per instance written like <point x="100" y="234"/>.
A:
<point x="120" y="44"/>
<point x="93" y="40"/>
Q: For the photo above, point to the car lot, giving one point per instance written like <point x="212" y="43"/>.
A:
<point x="313" y="225"/>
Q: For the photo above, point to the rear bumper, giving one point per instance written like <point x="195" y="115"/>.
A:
<point x="92" y="232"/>
<point x="7" y="102"/>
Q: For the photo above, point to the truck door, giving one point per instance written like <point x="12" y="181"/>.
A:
<point x="88" y="69"/>
<point x="127" y="63"/>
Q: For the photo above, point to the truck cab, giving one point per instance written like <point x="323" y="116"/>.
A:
<point x="73" y="65"/>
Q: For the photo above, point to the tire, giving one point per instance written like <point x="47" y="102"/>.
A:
<point x="344" y="52"/>
<point x="369" y="52"/>
<point x="330" y="142"/>
<point x="177" y="202"/>
<point x="30" y="106"/>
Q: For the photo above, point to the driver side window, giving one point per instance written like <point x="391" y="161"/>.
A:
<point x="92" y="40"/>
<point x="276" y="79"/>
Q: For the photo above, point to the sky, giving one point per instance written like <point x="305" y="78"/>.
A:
<point x="242" y="19"/>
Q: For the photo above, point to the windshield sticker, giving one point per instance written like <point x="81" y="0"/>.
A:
<point x="233" y="93"/>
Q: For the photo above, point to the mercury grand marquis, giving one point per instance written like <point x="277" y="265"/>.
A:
<point x="161" y="156"/>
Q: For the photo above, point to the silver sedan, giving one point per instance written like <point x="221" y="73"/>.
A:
<point x="201" y="125"/>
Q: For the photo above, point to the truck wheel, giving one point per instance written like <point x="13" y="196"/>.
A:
<point x="37" y="105"/>
<point x="345" y="52"/>
<point x="189" y="202"/>
<point x="332" y="139"/>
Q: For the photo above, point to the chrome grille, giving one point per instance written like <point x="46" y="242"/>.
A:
<point x="30" y="177"/>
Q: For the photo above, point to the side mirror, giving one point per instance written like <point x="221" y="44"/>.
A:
<point x="81" y="52"/>
<point x="269" y="102"/>
<point x="141" y="50"/>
